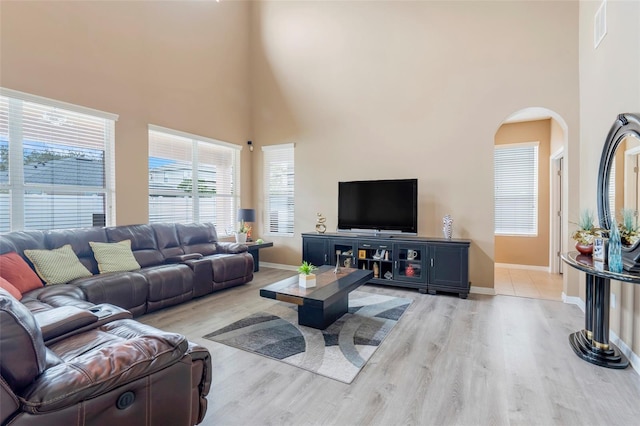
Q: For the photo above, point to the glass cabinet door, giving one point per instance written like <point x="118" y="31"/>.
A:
<point x="343" y="252"/>
<point x="410" y="262"/>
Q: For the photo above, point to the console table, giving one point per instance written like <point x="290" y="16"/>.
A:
<point x="592" y="343"/>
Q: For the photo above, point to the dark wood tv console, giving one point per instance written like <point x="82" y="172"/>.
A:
<point x="427" y="264"/>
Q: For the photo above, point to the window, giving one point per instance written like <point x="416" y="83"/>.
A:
<point x="278" y="189"/>
<point x="176" y="161"/>
<point x="516" y="189"/>
<point x="56" y="164"/>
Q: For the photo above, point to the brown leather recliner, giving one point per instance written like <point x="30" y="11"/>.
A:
<point x="95" y="369"/>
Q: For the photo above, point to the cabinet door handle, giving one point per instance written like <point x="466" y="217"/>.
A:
<point x="325" y="258"/>
<point x="432" y="262"/>
<point x="366" y="245"/>
<point x="383" y="247"/>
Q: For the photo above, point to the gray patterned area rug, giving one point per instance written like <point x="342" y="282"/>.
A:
<point x="339" y="352"/>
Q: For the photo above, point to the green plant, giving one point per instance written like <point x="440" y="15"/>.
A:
<point x="306" y="268"/>
<point x="244" y="228"/>
<point x="586" y="232"/>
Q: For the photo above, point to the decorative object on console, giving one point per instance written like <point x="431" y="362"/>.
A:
<point x="615" y="248"/>
<point x="376" y="270"/>
<point x="412" y="254"/>
<point x="320" y="224"/>
<point x="244" y="216"/>
<point x="347" y="262"/>
<point x="600" y="248"/>
<point x="307" y="278"/>
<point x="362" y="254"/>
<point x="409" y="271"/>
<point x="447" y="226"/>
<point x="585" y="233"/>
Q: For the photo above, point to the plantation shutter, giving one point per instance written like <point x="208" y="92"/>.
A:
<point x="192" y="179"/>
<point x="279" y="189"/>
<point x="56" y="164"/>
<point x="516" y="189"/>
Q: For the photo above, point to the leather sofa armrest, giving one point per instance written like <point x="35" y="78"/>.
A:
<point x="182" y="258"/>
<point x="58" y="321"/>
<point x="122" y="352"/>
<point x="230" y="248"/>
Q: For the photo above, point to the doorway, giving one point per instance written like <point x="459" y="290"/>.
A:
<point x="530" y="265"/>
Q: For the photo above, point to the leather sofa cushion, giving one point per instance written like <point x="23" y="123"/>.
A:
<point x="18" y="241"/>
<point x="167" y="239"/>
<point x="79" y="240"/>
<point x="21" y="345"/>
<point x="197" y="238"/>
<point x="58" y="321"/>
<point x="143" y="243"/>
<point x="129" y="290"/>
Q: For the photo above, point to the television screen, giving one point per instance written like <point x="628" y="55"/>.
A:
<point x="381" y="205"/>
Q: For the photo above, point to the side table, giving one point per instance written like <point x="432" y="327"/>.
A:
<point x="592" y="344"/>
<point x="254" y="250"/>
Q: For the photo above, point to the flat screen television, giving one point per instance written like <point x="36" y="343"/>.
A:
<point x="378" y="205"/>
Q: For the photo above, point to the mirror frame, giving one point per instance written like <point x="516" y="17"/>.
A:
<point x="625" y="125"/>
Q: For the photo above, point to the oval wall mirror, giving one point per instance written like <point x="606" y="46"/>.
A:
<point x="626" y="126"/>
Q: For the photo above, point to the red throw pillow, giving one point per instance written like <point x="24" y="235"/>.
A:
<point x="14" y="269"/>
<point x="6" y="285"/>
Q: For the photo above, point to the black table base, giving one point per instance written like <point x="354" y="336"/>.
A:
<point x="610" y="357"/>
<point x="592" y="343"/>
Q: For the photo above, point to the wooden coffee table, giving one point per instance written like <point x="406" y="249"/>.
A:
<point x="319" y="306"/>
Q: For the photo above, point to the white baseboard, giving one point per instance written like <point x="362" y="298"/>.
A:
<point x="528" y="267"/>
<point x="573" y="300"/>
<point x="634" y="359"/>
<point x="482" y="290"/>
<point x="279" y="266"/>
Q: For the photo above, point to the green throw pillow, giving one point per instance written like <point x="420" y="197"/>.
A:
<point x="57" y="266"/>
<point x="114" y="257"/>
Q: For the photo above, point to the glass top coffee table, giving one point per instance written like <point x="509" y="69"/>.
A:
<point x="319" y="306"/>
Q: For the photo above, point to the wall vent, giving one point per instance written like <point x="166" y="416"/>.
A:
<point x="600" y="24"/>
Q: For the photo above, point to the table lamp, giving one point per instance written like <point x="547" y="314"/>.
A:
<point x="246" y="215"/>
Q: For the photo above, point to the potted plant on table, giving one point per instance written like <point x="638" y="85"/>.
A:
<point x="307" y="278"/>
<point x="243" y="231"/>
<point x="585" y="233"/>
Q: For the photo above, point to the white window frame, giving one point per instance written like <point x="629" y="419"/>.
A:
<point x="229" y="228"/>
<point x="280" y="153"/>
<point x="528" y="189"/>
<point x="17" y="187"/>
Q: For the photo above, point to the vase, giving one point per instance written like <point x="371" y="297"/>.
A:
<point x="241" y="237"/>
<point x="615" y="249"/>
<point x="585" y="249"/>
<point x="447" y="227"/>
<point x="307" y="281"/>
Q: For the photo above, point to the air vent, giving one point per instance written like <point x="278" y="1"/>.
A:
<point x="600" y="24"/>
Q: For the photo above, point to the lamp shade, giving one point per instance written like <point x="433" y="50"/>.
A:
<point x="246" y="215"/>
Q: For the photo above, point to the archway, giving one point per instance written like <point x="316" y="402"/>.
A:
<point x="527" y="259"/>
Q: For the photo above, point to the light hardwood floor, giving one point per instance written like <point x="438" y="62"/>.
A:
<point x="486" y="360"/>
<point x="528" y="283"/>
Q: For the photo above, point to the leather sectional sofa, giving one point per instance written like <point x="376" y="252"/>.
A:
<point x="178" y="262"/>
<point x="71" y="354"/>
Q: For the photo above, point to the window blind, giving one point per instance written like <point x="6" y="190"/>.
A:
<point x="192" y="179"/>
<point x="516" y="189"/>
<point x="279" y="189"/>
<point x="56" y="164"/>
